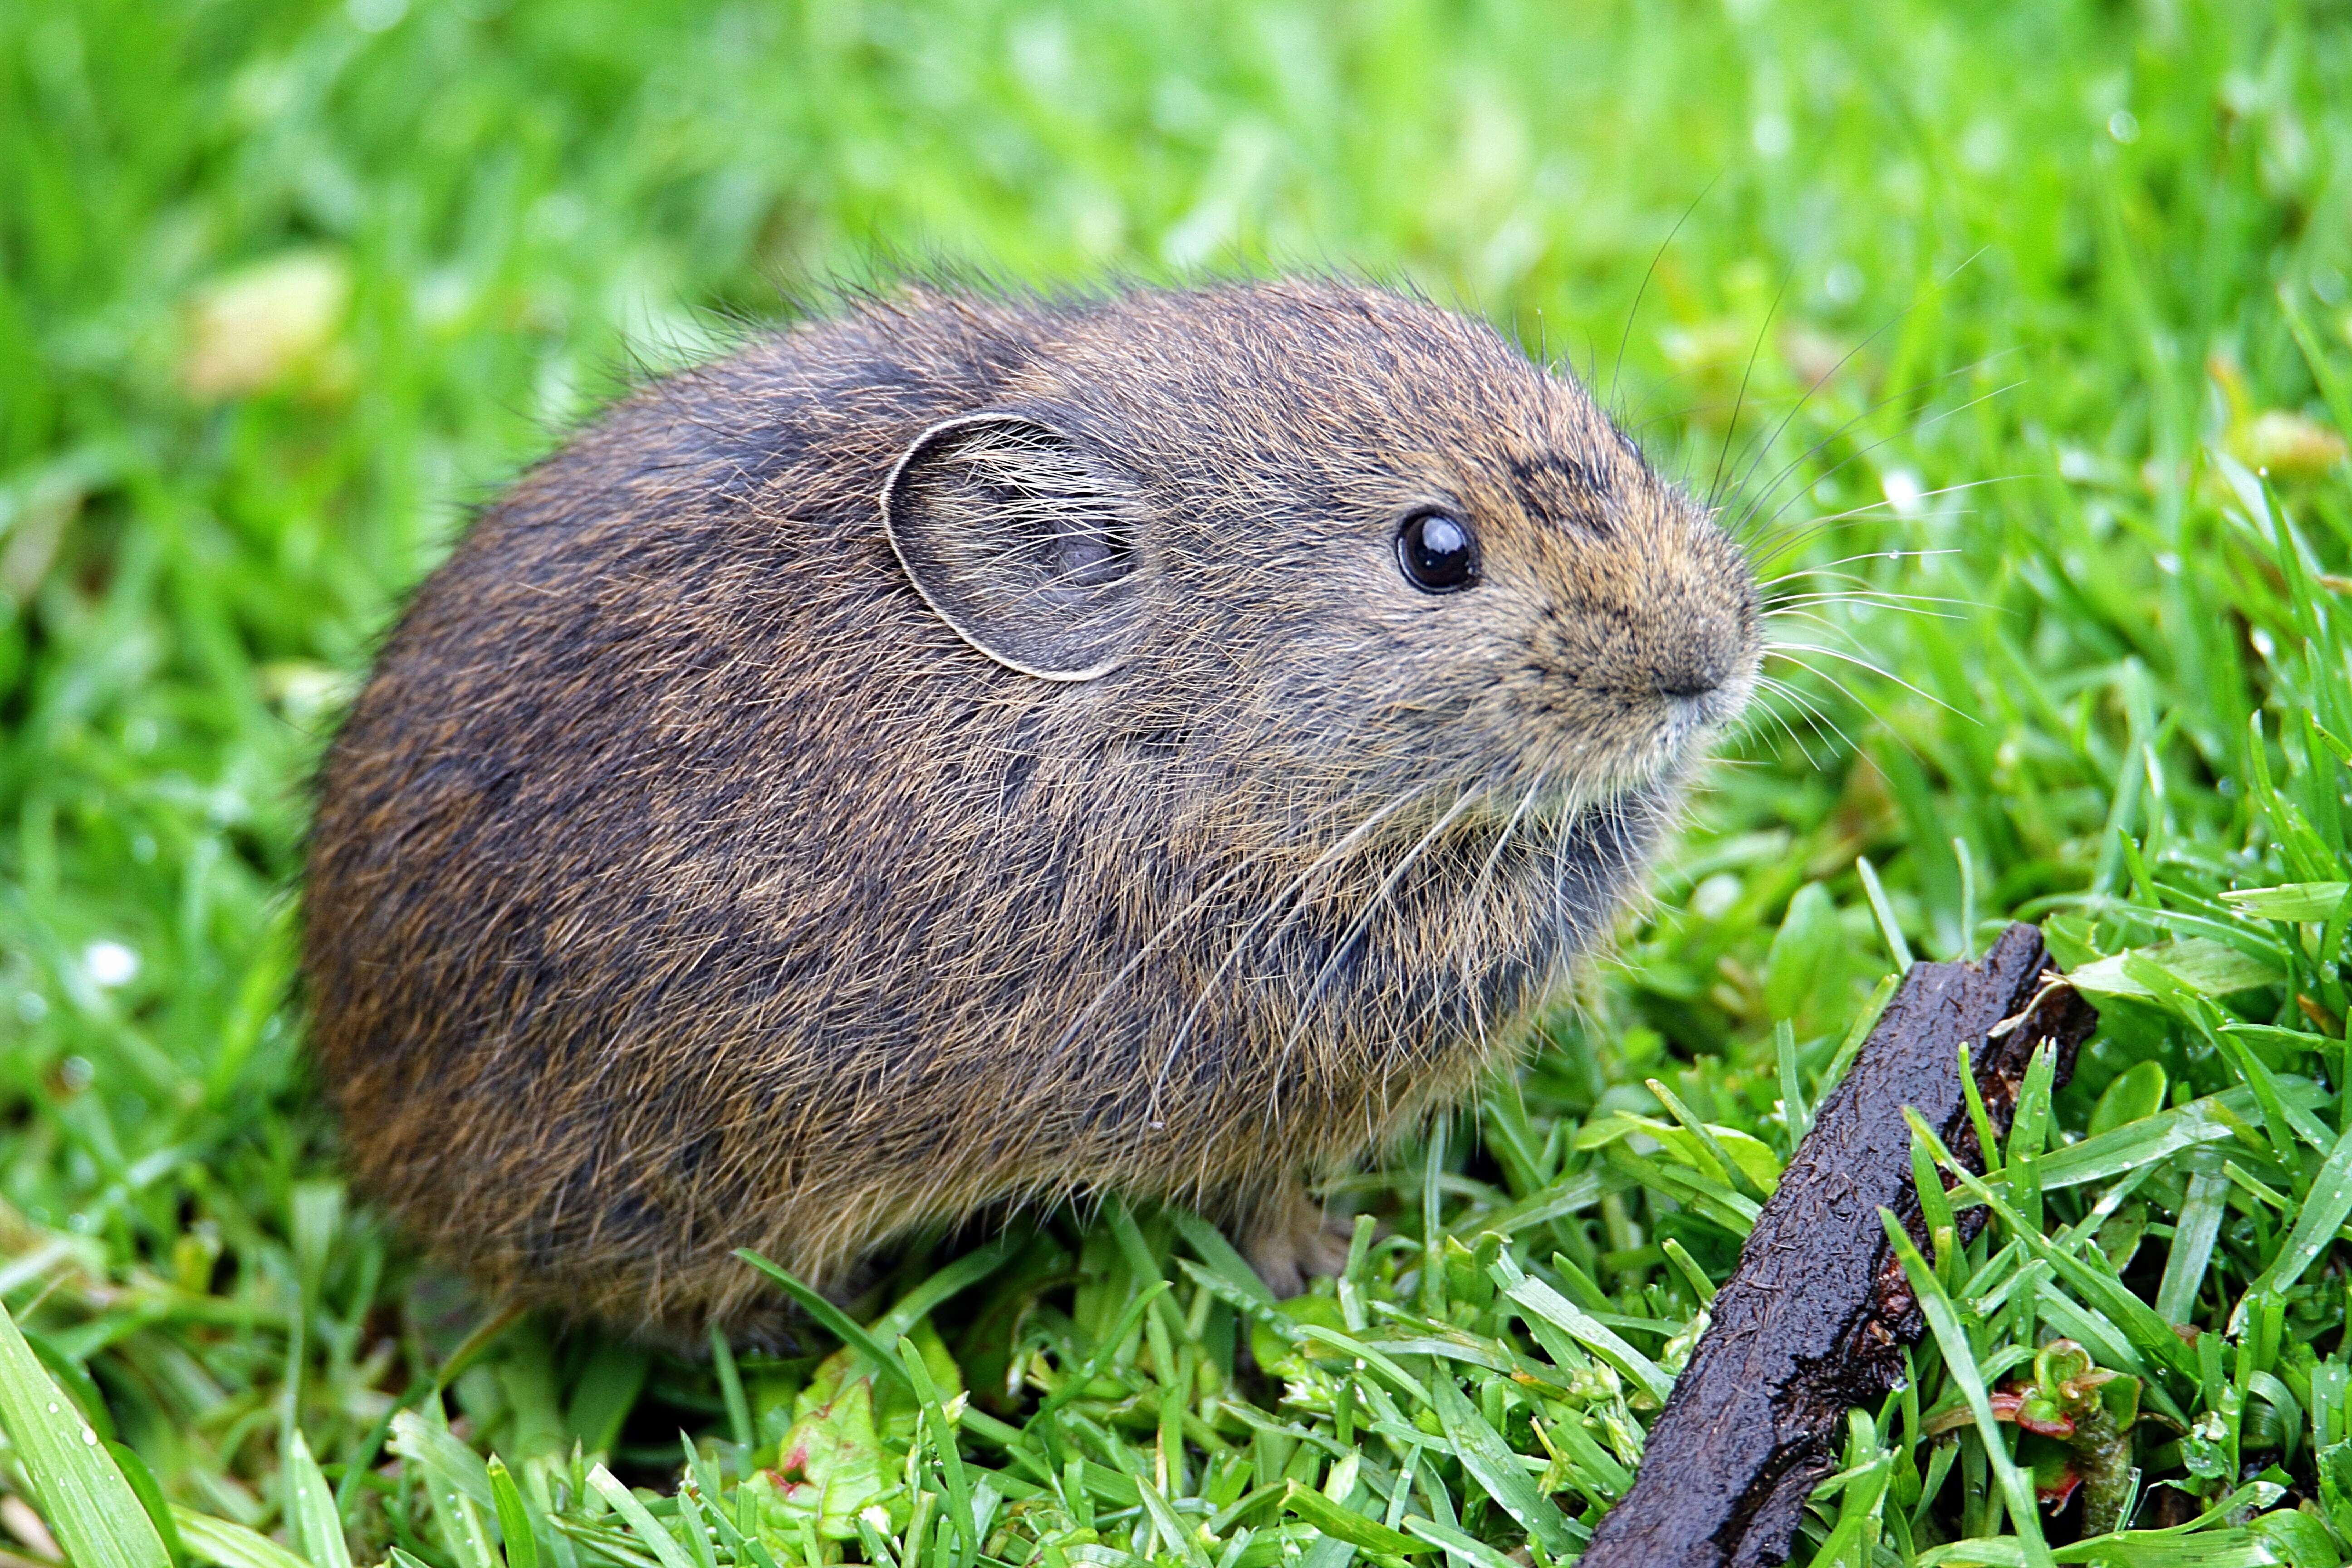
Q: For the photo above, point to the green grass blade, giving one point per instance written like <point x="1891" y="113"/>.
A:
<point x="1960" y="1362"/>
<point x="2022" y="1159"/>
<point x="2100" y="1288"/>
<point x="1456" y="1540"/>
<point x="1725" y="1168"/>
<point x="1349" y="1526"/>
<point x="2143" y="1142"/>
<point x="1897" y="948"/>
<point x="152" y="1499"/>
<point x="838" y="1323"/>
<point x="1209" y="1244"/>
<point x="1432" y="1205"/>
<point x="1568" y="1195"/>
<point x="1074" y="1383"/>
<point x="430" y="1445"/>
<point x="688" y="1497"/>
<point x="515" y="1531"/>
<point x="603" y="1393"/>
<point x="1373" y="1360"/>
<point x="317" y="1528"/>
<point x="96" y="1516"/>
<point x="211" y="1540"/>
<point x="1535" y="1296"/>
<point x="1701" y="1288"/>
<point x="949" y="1283"/>
<point x="1797" y="1113"/>
<point x="644" y="1526"/>
<point x="1496" y="1466"/>
<point x="1164" y="1518"/>
<point x="77" y="1381"/>
<point x="2323" y="1212"/>
<point x="1606" y="1471"/>
<point x="731" y="1390"/>
<point x="943" y="1445"/>
<point x="2194" y="1232"/>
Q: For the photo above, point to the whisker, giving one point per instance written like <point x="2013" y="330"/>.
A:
<point x="1867" y="555"/>
<point x="1753" y="728"/>
<point x="1814" y="714"/>
<point x="1836" y="522"/>
<point x="1780" y="475"/>
<point x="1144" y="951"/>
<point x="1866" y="593"/>
<point x="1846" y="359"/>
<point x="1663" y="245"/>
<point x="1240" y="943"/>
<point x="1847" y="631"/>
<point x="1797" y="608"/>
<point x="1867" y="411"/>
<point x="1833" y="628"/>
<point x="1810" y="709"/>
<point x="1782" y="650"/>
<point x="1740" y="400"/>
<point x="1814" y="528"/>
<point x="1477" y="893"/>
<point x="1357" y="929"/>
<point x="1782" y="509"/>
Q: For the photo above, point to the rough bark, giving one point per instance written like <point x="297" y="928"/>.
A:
<point x="1815" y="1318"/>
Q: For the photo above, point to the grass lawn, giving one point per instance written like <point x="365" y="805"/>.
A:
<point x="2063" y="534"/>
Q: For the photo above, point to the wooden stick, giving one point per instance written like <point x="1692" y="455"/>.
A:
<point x="1815" y="1318"/>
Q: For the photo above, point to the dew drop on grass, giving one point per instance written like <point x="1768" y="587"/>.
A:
<point x="1904" y="492"/>
<point x="108" y="963"/>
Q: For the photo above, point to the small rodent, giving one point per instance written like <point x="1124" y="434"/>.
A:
<point x="971" y="751"/>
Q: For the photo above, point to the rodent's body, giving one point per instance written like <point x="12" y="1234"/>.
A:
<point x="713" y="861"/>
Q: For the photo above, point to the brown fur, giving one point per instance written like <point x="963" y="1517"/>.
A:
<point x="684" y="881"/>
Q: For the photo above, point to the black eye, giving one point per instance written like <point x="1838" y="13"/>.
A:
<point x="1437" y="552"/>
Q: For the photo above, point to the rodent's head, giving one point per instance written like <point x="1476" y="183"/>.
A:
<point x="1323" y="546"/>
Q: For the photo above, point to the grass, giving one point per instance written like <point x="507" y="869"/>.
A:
<point x="2021" y="335"/>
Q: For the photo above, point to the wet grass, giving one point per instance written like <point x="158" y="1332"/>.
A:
<point x="2020" y="340"/>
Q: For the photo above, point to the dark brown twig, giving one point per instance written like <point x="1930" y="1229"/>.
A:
<point x="1815" y="1318"/>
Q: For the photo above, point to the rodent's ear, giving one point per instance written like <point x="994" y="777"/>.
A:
<point x="1020" y="543"/>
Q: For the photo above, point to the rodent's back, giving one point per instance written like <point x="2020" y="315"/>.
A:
<point x="690" y="876"/>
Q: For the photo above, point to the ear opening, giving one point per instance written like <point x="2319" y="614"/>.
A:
<point x="1020" y="542"/>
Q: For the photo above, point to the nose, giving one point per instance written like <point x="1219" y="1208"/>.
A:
<point x="1692" y="672"/>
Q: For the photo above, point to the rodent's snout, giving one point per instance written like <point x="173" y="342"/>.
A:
<point x="1700" y="671"/>
<point x="1703" y="670"/>
<point x="1687" y="645"/>
<point x="1647" y="645"/>
<point x="1694" y="673"/>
